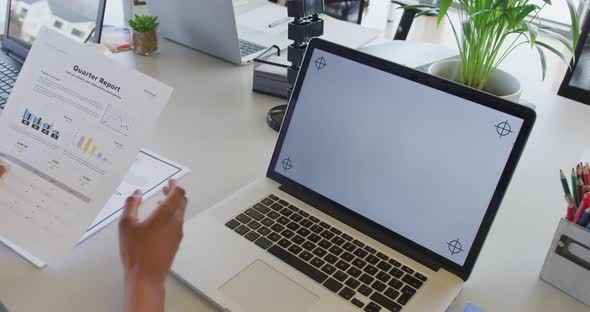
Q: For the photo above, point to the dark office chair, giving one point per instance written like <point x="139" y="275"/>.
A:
<point x="346" y="10"/>
<point x="576" y="84"/>
<point x="407" y="19"/>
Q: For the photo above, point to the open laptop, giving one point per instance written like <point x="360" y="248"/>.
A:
<point x="379" y="195"/>
<point x="80" y="20"/>
<point x="210" y="27"/>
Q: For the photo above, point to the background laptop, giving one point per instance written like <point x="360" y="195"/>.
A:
<point x="380" y="193"/>
<point x="80" y="20"/>
<point x="210" y="27"/>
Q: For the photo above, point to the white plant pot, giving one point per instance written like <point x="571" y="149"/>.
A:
<point x="500" y="84"/>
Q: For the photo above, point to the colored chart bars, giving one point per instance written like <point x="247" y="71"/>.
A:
<point x="37" y="123"/>
<point x="86" y="145"/>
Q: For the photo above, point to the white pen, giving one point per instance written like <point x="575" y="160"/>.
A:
<point x="282" y="20"/>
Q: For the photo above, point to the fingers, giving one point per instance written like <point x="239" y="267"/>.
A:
<point x="2" y="170"/>
<point x="174" y="205"/>
<point x="171" y="185"/>
<point x="130" y="214"/>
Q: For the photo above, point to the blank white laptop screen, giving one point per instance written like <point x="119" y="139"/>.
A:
<point x="418" y="161"/>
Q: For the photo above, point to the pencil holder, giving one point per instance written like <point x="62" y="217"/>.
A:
<point x="567" y="265"/>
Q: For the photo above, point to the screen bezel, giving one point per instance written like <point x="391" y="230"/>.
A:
<point x="371" y="228"/>
<point x="567" y="90"/>
<point x="21" y="49"/>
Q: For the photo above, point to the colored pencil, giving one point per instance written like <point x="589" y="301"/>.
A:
<point x="585" y="217"/>
<point x="566" y="188"/>
<point x="575" y="187"/>
<point x="570" y="209"/>
<point x="580" y="187"/>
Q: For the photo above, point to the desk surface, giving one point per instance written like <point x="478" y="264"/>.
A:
<point x="215" y="125"/>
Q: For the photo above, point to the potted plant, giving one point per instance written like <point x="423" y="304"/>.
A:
<point x="145" y="35"/>
<point x="490" y="30"/>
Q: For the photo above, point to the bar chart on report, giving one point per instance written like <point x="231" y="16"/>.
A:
<point x="39" y="123"/>
<point x="88" y="146"/>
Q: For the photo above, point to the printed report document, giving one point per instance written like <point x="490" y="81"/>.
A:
<point x="72" y="127"/>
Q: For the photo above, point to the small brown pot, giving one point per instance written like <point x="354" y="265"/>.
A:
<point x="145" y="43"/>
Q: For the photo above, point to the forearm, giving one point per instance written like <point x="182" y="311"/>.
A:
<point x="143" y="294"/>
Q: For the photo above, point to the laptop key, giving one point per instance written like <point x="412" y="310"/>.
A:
<point x="347" y="293"/>
<point x="263" y="243"/>
<point x="267" y="201"/>
<point x="319" y="252"/>
<point x="412" y="281"/>
<point x="254" y="214"/>
<point x="352" y="283"/>
<point x="382" y="256"/>
<point x="252" y="236"/>
<point x="294" y="249"/>
<point x="333" y="285"/>
<point x="286" y="212"/>
<point x="309" y="246"/>
<point x="262" y="208"/>
<point x="276" y="207"/>
<point x="316" y="228"/>
<point x="365" y="290"/>
<point x="232" y="224"/>
<point x="293" y="226"/>
<point x="354" y="272"/>
<point x="283" y="202"/>
<point x="407" y="270"/>
<point x="347" y="237"/>
<point x="337" y="240"/>
<point x="274" y="237"/>
<point x="382" y="276"/>
<point x="303" y="213"/>
<point x="367" y="279"/>
<point x="317" y="262"/>
<point x="330" y="258"/>
<point x="298" y="264"/>
<point x="386" y="302"/>
<point x="357" y="303"/>
<point x="285" y="243"/>
<point x="303" y="232"/>
<point x="268" y="222"/>
<point x="273" y="215"/>
<point x="273" y="197"/>
<point x="295" y="217"/>
<point x="361" y="253"/>
<point x="391" y="293"/>
<point x="420" y="277"/>
<point x="263" y="231"/>
<point x="287" y="233"/>
<point x="314" y="238"/>
<point x="242" y="230"/>
<point x="306" y="256"/>
<point x="395" y="283"/>
<point x="372" y="259"/>
<point x="336" y="250"/>
<point x="372" y="307"/>
<point x="335" y="231"/>
<point x="384" y="266"/>
<point x="346" y="256"/>
<point x="342" y="265"/>
<point x="244" y="218"/>
<point x="371" y="270"/>
<point x="378" y="286"/>
<point x="325" y="244"/>
<point x="327" y="234"/>
<point x="328" y="269"/>
<point x="340" y="276"/>
<point x="282" y="220"/>
<point x="277" y="227"/>
<point x="314" y="219"/>
<point x="294" y="208"/>
<point x="306" y="223"/>
<point x="408" y="290"/>
<point x="349" y="247"/>
<point x="254" y="225"/>
<point x="298" y="240"/>
<point x="359" y="263"/>
<point x="404" y="298"/>
<point x="370" y="249"/>
<point x="396" y="272"/>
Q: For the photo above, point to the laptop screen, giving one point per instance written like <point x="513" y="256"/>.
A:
<point x="74" y="19"/>
<point x="418" y="161"/>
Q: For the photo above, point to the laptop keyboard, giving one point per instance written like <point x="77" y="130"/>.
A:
<point x="357" y="272"/>
<point x="247" y="48"/>
<point x="8" y="76"/>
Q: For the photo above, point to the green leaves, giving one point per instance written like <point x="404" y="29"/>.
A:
<point x="444" y="7"/>
<point x="144" y="23"/>
<point x="533" y="32"/>
<point x="575" y="22"/>
<point x="543" y="61"/>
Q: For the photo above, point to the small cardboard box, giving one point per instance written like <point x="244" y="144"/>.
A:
<point x="567" y="265"/>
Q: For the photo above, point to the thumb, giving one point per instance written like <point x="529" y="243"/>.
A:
<point x="131" y="207"/>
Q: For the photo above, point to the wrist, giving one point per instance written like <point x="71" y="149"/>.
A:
<point x="143" y="292"/>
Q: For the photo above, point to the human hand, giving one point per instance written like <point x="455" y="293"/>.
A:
<point x="148" y="248"/>
<point x="2" y="170"/>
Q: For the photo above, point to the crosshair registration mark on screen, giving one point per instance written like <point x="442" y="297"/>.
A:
<point x="503" y="129"/>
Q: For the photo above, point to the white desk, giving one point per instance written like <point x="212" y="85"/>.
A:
<point x="216" y="125"/>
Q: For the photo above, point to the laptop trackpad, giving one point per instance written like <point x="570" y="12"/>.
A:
<point x="260" y="288"/>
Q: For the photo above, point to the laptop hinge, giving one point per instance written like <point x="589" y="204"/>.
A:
<point x="15" y="57"/>
<point x="356" y="222"/>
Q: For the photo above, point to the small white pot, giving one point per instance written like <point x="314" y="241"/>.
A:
<point x="500" y="84"/>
